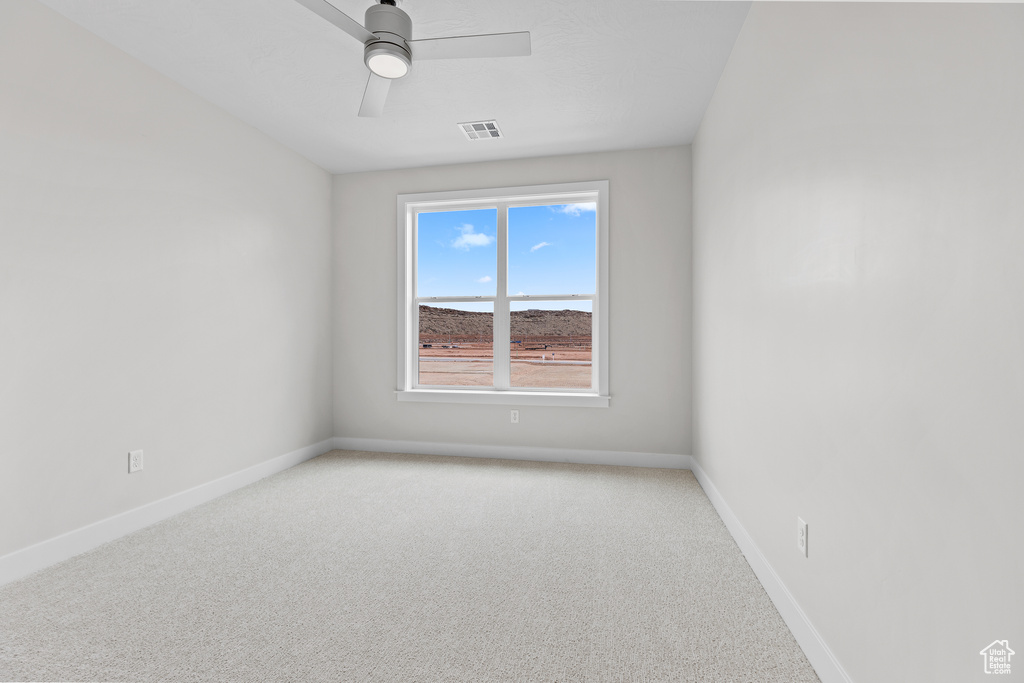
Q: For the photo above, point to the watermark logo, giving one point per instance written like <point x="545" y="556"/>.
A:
<point x="997" y="657"/>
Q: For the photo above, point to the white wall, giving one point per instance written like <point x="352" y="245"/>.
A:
<point x="164" y="285"/>
<point x="859" y="321"/>
<point x="649" y="308"/>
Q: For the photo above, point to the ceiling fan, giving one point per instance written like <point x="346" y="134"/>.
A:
<point x="389" y="49"/>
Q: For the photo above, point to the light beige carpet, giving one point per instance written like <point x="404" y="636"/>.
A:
<point x="371" y="567"/>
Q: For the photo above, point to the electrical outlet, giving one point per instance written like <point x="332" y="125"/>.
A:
<point x="134" y="461"/>
<point x="515" y="417"/>
<point x="801" y="536"/>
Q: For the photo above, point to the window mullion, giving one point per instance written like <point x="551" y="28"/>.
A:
<point x="410" y="376"/>
<point x="502" y="370"/>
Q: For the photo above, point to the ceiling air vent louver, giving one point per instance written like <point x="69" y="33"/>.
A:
<point x="481" y="130"/>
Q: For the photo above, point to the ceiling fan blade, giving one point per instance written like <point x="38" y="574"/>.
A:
<point x="374" y="96"/>
<point x="338" y="18"/>
<point x="490" y="45"/>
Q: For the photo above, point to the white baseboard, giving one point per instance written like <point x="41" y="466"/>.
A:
<point x="23" y="562"/>
<point x="583" y="457"/>
<point x="819" y="654"/>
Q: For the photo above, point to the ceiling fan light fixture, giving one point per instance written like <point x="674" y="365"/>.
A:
<point x="387" y="61"/>
<point x="388" y="46"/>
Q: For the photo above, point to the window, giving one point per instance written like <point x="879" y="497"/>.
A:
<point x="503" y="295"/>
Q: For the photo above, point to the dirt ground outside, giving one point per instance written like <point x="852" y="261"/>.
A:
<point x="471" y="365"/>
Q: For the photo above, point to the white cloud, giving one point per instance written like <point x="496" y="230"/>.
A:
<point x="575" y="209"/>
<point x="485" y="278"/>
<point x="520" y="293"/>
<point x="469" y="238"/>
<point x="540" y="246"/>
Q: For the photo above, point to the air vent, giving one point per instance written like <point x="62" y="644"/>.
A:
<point x="481" y="130"/>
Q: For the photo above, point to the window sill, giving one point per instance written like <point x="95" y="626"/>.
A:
<point x="515" y="398"/>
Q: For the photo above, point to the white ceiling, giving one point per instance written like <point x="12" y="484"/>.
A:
<point x="604" y="74"/>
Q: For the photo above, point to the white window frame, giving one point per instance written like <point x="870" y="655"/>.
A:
<point x="409" y="205"/>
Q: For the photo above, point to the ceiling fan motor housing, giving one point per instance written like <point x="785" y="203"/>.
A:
<point x="392" y="28"/>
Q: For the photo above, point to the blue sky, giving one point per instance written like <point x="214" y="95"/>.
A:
<point x="551" y="250"/>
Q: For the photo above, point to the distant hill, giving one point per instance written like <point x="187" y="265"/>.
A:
<point x="538" y="323"/>
<point x="442" y="322"/>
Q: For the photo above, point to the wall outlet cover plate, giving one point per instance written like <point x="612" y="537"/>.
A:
<point x="134" y="461"/>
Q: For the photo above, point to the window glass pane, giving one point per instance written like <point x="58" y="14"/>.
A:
<point x="456" y="345"/>
<point x="552" y="249"/>
<point x="551" y="344"/>
<point x="457" y="253"/>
